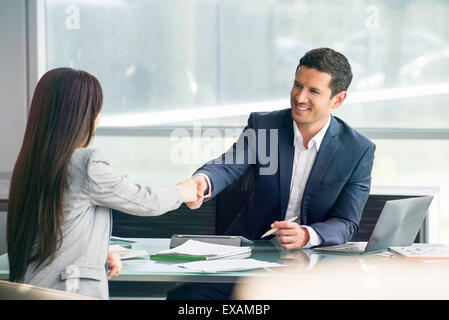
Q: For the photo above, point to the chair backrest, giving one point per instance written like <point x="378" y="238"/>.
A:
<point x="21" y="291"/>
<point x="232" y="200"/>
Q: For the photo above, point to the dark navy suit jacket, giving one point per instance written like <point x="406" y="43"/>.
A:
<point x="335" y="193"/>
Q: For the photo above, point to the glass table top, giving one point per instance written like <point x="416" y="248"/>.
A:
<point x="296" y="262"/>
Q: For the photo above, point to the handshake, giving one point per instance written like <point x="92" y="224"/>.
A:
<point x="193" y="191"/>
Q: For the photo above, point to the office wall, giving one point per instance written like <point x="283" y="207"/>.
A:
<point x="13" y="80"/>
<point x="3" y="245"/>
<point x="13" y="93"/>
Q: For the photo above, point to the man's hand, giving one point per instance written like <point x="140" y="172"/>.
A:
<point x="202" y="188"/>
<point x="291" y="235"/>
<point x="114" y="264"/>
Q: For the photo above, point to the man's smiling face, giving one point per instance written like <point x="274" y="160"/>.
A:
<point x="311" y="98"/>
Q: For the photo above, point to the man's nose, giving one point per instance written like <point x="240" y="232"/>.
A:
<point x="301" y="96"/>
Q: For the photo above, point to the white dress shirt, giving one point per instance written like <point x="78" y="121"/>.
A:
<point x="302" y="165"/>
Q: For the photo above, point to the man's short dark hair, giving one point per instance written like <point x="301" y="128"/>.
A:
<point x="332" y="62"/>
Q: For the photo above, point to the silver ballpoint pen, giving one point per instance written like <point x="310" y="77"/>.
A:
<point x="271" y="231"/>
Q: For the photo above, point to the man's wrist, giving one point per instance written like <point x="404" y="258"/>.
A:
<point x="314" y="238"/>
<point x="208" y="193"/>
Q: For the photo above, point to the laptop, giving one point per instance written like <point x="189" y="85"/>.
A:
<point x="398" y="225"/>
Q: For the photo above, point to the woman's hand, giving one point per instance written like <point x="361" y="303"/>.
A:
<point x="188" y="189"/>
<point x="114" y="265"/>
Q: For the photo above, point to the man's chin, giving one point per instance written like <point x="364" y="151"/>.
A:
<point x="299" y="119"/>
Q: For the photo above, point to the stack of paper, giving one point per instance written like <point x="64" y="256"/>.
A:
<point x="197" y="250"/>
<point x="127" y="243"/>
<point x="228" y="265"/>
<point x="427" y="253"/>
<point x="126" y="253"/>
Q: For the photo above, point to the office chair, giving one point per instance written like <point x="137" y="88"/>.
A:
<point x="232" y="200"/>
<point x="21" y="291"/>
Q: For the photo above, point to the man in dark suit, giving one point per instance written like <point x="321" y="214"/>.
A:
<point x="323" y="173"/>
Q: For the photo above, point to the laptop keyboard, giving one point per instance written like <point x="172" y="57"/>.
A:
<point x="355" y="246"/>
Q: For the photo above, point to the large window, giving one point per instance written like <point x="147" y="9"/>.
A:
<point x="202" y="65"/>
<point x="203" y="56"/>
<point x="209" y="63"/>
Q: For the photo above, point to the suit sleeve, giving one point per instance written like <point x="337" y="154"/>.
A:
<point x="227" y="168"/>
<point x="345" y="217"/>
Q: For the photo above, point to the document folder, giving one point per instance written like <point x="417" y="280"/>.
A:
<point x="238" y="241"/>
<point x="199" y="250"/>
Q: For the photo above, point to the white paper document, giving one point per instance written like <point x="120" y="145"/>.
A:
<point x="203" y="249"/>
<point x="118" y="240"/>
<point x="228" y="265"/>
<point x="126" y="253"/>
<point x="436" y="252"/>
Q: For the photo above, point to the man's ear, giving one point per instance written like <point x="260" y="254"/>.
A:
<point x="338" y="99"/>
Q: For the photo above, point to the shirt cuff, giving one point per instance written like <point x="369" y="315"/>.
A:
<point x="209" y="193"/>
<point x="314" y="238"/>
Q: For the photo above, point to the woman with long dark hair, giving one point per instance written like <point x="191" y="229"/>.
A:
<point x="59" y="222"/>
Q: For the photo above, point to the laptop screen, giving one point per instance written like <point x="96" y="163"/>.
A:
<point x="399" y="223"/>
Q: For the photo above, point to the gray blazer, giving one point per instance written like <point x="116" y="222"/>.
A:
<point x="80" y="264"/>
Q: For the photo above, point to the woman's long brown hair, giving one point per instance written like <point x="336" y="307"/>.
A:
<point x="62" y="117"/>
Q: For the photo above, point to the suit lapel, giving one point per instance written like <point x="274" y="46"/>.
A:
<point x="286" y="154"/>
<point x="323" y="159"/>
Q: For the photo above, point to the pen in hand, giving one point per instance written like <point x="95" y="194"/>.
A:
<point x="271" y="231"/>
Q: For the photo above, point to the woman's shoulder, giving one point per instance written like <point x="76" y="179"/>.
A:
<point x="89" y="155"/>
<point x="86" y="160"/>
<point x="88" y="165"/>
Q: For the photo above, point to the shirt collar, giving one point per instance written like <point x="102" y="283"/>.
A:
<point x="316" y="140"/>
